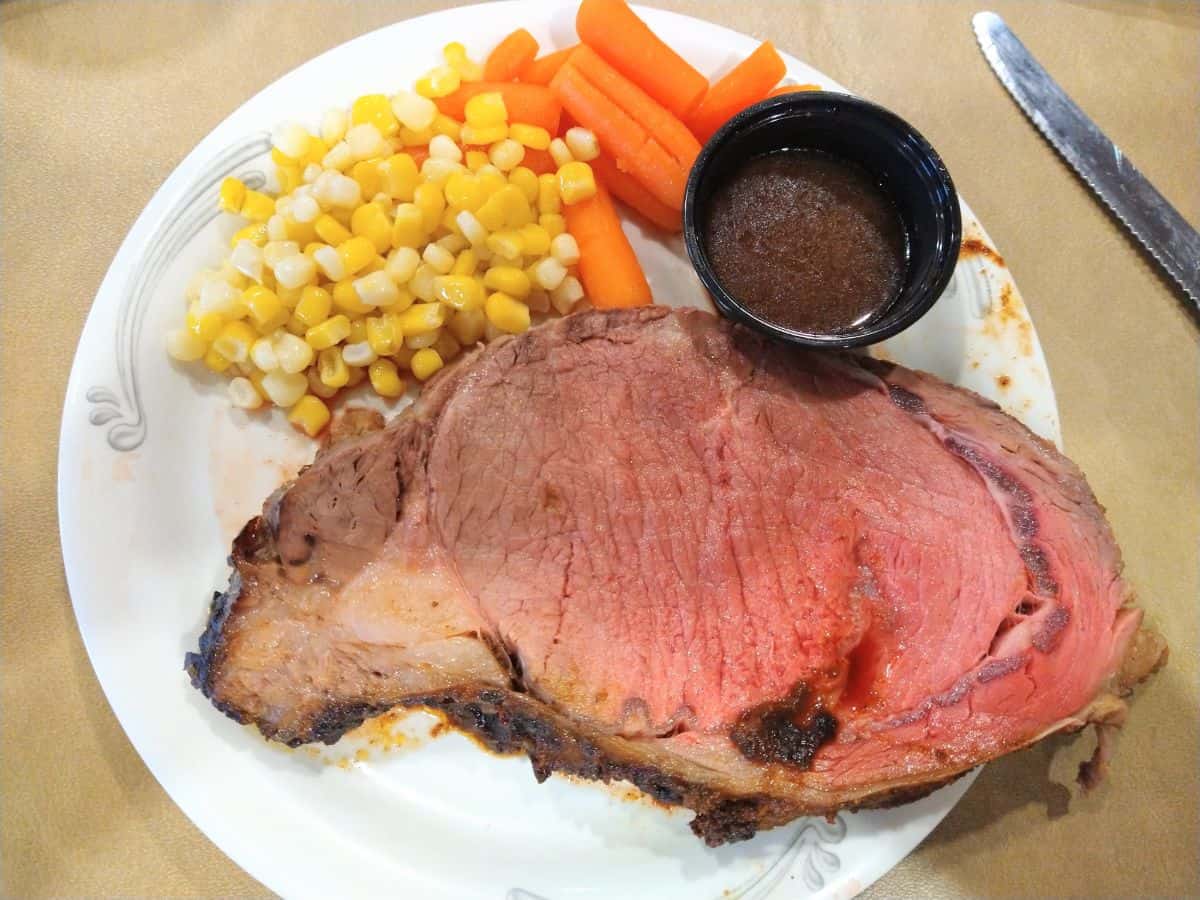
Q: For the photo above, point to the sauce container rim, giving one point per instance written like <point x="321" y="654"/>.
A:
<point x="914" y="299"/>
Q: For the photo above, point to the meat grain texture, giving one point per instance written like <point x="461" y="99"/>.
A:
<point x="650" y="545"/>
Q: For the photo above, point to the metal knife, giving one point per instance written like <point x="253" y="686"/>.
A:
<point x="1106" y="170"/>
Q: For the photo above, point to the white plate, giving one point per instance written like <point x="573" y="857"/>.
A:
<point x="156" y="474"/>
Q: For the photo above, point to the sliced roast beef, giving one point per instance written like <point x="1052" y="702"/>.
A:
<point x="650" y="545"/>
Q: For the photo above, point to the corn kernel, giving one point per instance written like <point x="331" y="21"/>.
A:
<point x="330" y="230"/>
<point x="422" y="318"/>
<point x="576" y="182"/>
<point x="447" y="345"/>
<point x="243" y="394"/>
<point x="506" y="244"/>
<point x="459" y="291"/>
<point x="257" y="206"/>
<point x="441" y="259"/>
<point x="332" y="369"/>
<point x="317" y="387"/>
<point x="383" y="335"/>
<point x="339" y="157"/>
<point x="358" y="331"/>
<point x="375" y="109"/>
<point x="262" y="354"/>
<point x="421" y="284"/>
<point x="506" y="155"/>
<point x="346" y="299"/>
<point x="507" y="279"/>
<point x="565" y="249"/>
<point x="291" y="141"/>
<point x="443" y="147"/>
<point x="219" y="296"/>
<point x="356" y="253"/>
<point x="437" y="171"/>
<point x="464" y="191"/>
<point x="465" y="263"/>
<point x="294" y="354"/>
<point x="554" y="224"/>
<point x="432" y="203"/>
<point x="255" y="233"/>
<point x="493" y="214"/>
<point x="402" y="264"/>
<point x="342" y="214"/>
<point x="438" y="82"/>
<point x="560" y="152"/>
<point x="548" y="199"/>
<point x="267" y="311"/>
<point x="295" y="326"/>
<point x="310" y="414"/>
<point x="234" y="341"/>
<point x="289" y="297"/>
<point x="399" y="176"/>
<point x="359" y="354"/>
<point x="475" y="159"/>
<point x="526" y="181"/>
<point x="456" y="57"/>
<point x="288" y="178"/>
<point x="411" y="138"/>
<point x="295" y="271"/>
<point x="385" y="379"/>
<point x="425" y="363"/>
<point x="403" y="357"/>
<point x="517" y="211"/>
<point x="531" y="136"/>
<point x="247" y="259"/>
<point x="409" y="229"/>
<point x="471" y="228"/>
<point x="566" y="295"/>
<point x="276" y="227"/>
<point x="371" y="222"/>
<point x="328" y="333"/>
<point x="536" y="240"/>
<point x="549" y="273"/>
<point x="367" y="175"/>
<point x="333" y="126"/>
<point x="317" y="148"/>
<point x="215" y="361"/>
<point x="481" y="135"/>
<point x="357" y="376"/>
<point x="232" y="196"/>
<point x="185" y="346"/>
<point x="444" y="125"/>
<point x="582" y="143"/>
<point x="467" y="326"/>
<point x="377" y="289"/>
<point x="453" y="243"/>
<point x="204" y="325"/>
<point x="506" y="313"/>
<point x="413" y="111"/>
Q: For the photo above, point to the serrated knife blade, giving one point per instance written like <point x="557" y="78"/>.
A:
<point x="1135" y="202"/>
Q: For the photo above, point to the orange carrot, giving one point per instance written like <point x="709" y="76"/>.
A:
<point x="747" y="83"/>
<point x="419" y="153"/>
<point x="625" y="188"/>
<point x="647" y="112"/>
<point x="792" y="89"/>
<point x="614" y="31"/>
<point x="542" y="69"/>
<point x="529" y="104"/>
<point x="511" y="55"/>
<point x="611" y="274"/>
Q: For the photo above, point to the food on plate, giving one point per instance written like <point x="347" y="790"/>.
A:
<point x="608" y="269"/>
<point x="510" y="57"/>
<point x="806" y="240"/>
<point x="651" y="545"/>
<point x="748" y="82"/>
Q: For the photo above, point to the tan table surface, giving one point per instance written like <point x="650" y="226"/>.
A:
<point x="101" y="100"/>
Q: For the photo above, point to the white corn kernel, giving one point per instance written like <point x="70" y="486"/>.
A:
<point x="185" y="346"/>
<point x="276" y="251"/>
<point x="566" y="295"/>
<point x="284" y="388"/>
<point x="402" y="264"/>
<point x="243" y="395"/>
<point x="311" y="172"/>
<point x="420" y="341"/>
<point x="549" y="273"/>
<point x="247" y="258"/>
<point x="365" y="141"/>
<point x="333" y="126"/>
<point x="471" y="228"/>
<point x="377" y="289"/>
<point x="195" y="283"/>
<point x="340" y="190"/>
<point x="421" y="284"/>
<point x="565" y="249"/>
<point x="439" y="258"/>
<point x="443" y="147"/>
<point x="560" y="152"/>
<point x="262" y="354"/>
<point x="219" y="296"/>
<point x="359" y="354"/>
<point x="339" y="157"/>
<point x="295" y="271"/>
<point x="276" y="228"/>
<point x="293" y="353"/>
<point x="506" y="155"/>
<point x="413" y="110"/>
<point x="453" y="243"/>
<point x="329" y="261"/>
<point x="439" y="170"/>
<point x="582" y="143"/>
<point x="290" y="139"/>
<point x="305" y="209"/>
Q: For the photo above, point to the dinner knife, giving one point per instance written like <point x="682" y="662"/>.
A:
<point x="1135" y="202"/>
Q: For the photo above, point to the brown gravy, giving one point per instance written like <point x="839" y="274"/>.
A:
<point x="806" y="241"/>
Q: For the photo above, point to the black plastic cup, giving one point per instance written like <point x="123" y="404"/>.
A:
<point x="901" y="162"/>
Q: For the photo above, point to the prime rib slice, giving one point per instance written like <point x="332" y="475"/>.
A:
<point x="649" y="545"/>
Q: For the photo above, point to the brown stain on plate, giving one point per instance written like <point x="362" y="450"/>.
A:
<point x="976" y="246"/>
<point x="1003" y="382"/>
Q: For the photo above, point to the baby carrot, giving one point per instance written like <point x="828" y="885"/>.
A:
<point x="511" y="55"/>
<point x="529" y="104"/>
<point x="614" y="31"/>
<point x="747" y="83"/>
<point x="611" y="274"/>
<point x="626" y="188"/>
<point x="542" y="69"/>
<point x="540" y="161"/>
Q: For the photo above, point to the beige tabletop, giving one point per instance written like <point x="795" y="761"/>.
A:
<point x="101" y="100"/>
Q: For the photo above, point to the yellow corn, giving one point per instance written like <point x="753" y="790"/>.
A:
<point x="506" y="313"/>
<point x="399" y="176"/>
<point x="451" y="128"/>
<point x="215" y="361"/>
<point x="464" y="191"/>
<point x="317" y="386"/>
<point x="507" y="279"/>
<point x="356" y="253"/>
<point x="506" y="244"/>
<point x="480" y="135"/>
<point x="554" y="224"/>
<point x="257" y="207"/>
<point x="317" y="148"/>
<point x="204" y="325"/>
<point x="296" y="326"/>
<point x="548" y="199"/>
<point x="282" y="159"/>
<point x="328" y="333"/>
<point x="492" y="214"/>
<point x="447" y="345"/>
<point x="233" y="195"/>
<point x="372" y="222"/>
<point x="576" y="182"/>
<point x="383" y="335"/>
<point x="484" y="110"/>
<point x="234" y="341"/>
<point x="289" y="178"/>
<point x="411" y="137"/>
<point x="532" y="136"/>
<point x="560" y="152"/>
<point x="475" y="159"/>
<point x="385" y="379"/>
<point x="255" y="233"/>
<point x="293" y="353"/>
<point x="332" y="369"/>
<point x="438" y="82"/>
<point x="425" y="362"/>
<point x="422" y="318"/>
<point x="185" y="346"/>
<point x="375" y="109"/>
<point x="456" y="57"/>
<point x="330" y="230"/>
<point x="526" y="181"/>
<point x="366" y="173"/>
<point x="358" y="331"/>
<point x="266" y="309"/>
<point x="517" y="211"/>
<point x="468" y="326"/>
<point x="300" y="232"/>
<point x="310" y="415"/>
<point x="377" y="289"/>
<point x="421" y="283"/>
<point x="358" y="374"/>
<point x="506" y="154"/>
<point x="409" y="228"/>
<point x="459" y="291"/>
<point x="536" y="240"/>
<point x="465" y="263"/>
